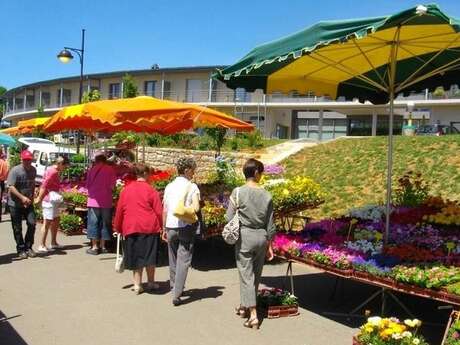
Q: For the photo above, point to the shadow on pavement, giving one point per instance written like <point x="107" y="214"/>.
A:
<point x="193" y="295"/>
<point x="213" y="254"/>
<point x="8" y="334"/>
<point x="9" y="258"/>
<point x="322" y="293"/>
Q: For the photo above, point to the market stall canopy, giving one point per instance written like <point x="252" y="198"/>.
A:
<point x="141" y="114"/>
<point x="32" y="124"/>
<point x="10" y="131"/>
<point x="372" y="59"/>
<point x="5" y="139"/>
<point x="352" y="58"/>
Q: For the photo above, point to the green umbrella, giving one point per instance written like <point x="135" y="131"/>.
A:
<point x="5" y="139"/>
<point x="370" y="59"/>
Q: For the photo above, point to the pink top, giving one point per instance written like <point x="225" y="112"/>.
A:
<point x="51" y="181"/>
<point x="100" y="181"/>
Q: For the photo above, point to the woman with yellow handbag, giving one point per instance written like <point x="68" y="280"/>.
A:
<point x="181" y="203"/>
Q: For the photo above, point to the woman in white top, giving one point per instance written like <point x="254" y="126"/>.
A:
<point x="180" y="234"/>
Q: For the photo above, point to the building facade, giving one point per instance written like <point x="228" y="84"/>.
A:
<point x="293" y="116"/>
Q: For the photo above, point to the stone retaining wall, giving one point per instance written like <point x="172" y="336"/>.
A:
<point x="165" y="159"/>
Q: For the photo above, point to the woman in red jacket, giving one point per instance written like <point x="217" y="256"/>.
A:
<point x="139" y="219"/>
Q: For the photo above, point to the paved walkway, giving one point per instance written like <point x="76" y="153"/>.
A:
<point x="277" y="153"/>
<point x="71" y="298"/>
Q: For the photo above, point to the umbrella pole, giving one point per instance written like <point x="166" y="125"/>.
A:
<point x="143" y="147"/>
<point x="389" y="170"/>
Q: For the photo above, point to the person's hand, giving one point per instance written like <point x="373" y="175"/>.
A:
<point x="270" y="255"/>
<point x="26" y="201"/>
<point x="164" y="235"/>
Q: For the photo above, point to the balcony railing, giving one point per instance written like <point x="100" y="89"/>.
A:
<point x="217" y="96"/>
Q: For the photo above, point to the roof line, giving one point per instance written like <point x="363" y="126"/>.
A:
<point x="89" y="76"/>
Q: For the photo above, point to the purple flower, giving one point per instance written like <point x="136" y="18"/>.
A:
<point x="273" y="169"/>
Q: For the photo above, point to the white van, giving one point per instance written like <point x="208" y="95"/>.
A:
<point x="45" y="153"/>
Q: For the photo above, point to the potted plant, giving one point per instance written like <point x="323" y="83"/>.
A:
<point x="389" y="331"/>
<point x="277" y="303"/>
<point x="70" y="224"/>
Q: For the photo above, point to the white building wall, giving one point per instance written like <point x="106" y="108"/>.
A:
<point x="445" y="115"/>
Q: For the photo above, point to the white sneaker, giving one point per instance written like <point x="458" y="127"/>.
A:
<point x="56" y="246"/>
<point x="42" y="249"/>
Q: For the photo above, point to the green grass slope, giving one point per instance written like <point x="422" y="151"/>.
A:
<point x="352" y="172"/>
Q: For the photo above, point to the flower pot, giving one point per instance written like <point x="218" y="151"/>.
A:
<point x="356" y="342"/>
<point x="277" y="311"/>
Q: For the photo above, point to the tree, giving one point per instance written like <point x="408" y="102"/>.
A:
<point x="218" y="136"/>
<point x="91" y="96"/>
<point x="2" y="102"/>
<point x="129" y="87"/>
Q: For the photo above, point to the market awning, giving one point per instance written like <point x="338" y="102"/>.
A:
<point x="140" y="114"/>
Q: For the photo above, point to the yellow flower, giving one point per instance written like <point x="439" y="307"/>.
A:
<point x="413" y="323"/>
<point x="285" y="192"/>
<point x="353" y="221"/>
<point x="374" y="321"/>
<point x="368" y="329"/>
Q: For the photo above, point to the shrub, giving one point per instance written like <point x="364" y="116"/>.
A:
<point x="78" y="158"/>
<point x="254" y="139"/>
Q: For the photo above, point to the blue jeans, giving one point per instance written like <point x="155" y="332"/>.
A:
<point x="99" y="223"/>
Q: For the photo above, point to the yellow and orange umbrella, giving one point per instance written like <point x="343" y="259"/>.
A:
<point x="11" y="131"/>
<point x="141" y="114"/>
<point x="30" y="125"/>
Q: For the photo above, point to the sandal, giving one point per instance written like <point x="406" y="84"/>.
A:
<point x="254" y="324"/>
<point x="241" y="311"/>
<point x="138" y="290"/>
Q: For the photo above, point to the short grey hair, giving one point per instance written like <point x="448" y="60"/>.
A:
<point x="185" y="163"/>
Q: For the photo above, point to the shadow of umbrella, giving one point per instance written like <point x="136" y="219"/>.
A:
<point x="8" y="335"/>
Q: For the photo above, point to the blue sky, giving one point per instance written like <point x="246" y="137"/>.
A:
<point x="125" y="35"/>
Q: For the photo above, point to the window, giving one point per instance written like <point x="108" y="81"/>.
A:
<point x="194" y="90"/>
<point x="44" y="159"/>
<point x="19" y="103"/>
<point x="167" y="94"/>
<point x="114" y="90"/>
<point x="241" y="95"/>
<point x="30" y="99"/>
<point x="35" y="154"/>
<point x="46" y="99"/>
<point x="149" y="88"/>
<point x="66" y="96"/>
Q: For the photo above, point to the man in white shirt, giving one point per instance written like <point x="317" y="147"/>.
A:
<point x="180" y="234"/>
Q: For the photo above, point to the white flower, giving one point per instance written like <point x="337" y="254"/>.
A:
<point x="416" y="341"/>
<point x="397" y="336"/>
<point x="374" y="320"/>
<point x="407" y="334"/>
<point x="274" y="182"/>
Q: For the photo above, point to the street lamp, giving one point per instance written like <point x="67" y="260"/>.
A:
<point x="66" y="56"/>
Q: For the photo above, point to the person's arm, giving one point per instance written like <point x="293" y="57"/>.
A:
<point x="44" y="187"/>
<point x="118" y="219"/>
<point x="231" y="209"/>
<point x="271" y="230"/>
<point x="164" y="235"/>
<point x="196" y="200"/>
<point x="11" y="181"/>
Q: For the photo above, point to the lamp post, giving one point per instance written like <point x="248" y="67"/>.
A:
<point x="66" y="56"/>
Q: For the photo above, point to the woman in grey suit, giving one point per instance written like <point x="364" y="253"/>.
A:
<point x="255" y="208"/>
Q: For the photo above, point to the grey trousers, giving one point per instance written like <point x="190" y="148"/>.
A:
<point x="180" y="251"/>
<point x="250" y="251"/>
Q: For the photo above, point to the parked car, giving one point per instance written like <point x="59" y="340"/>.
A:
<point x="45" y="153"/>
<point x="436" y="130"/>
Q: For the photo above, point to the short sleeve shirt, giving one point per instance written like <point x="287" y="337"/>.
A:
<point x="173" y="192"/>
<point x="51" y="181"/>
<point x="24" y="181"/>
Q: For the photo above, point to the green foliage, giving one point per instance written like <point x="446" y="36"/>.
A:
<point x="217" y="134"/>
<point x="38" y="212"/>
<point x="129" y="87"/>
<point x="78" y="158"/>
<point x="70" y="223"/>
<point x="75" y="198"/>
<point x="91" y="96"/>
<point x="411" y="190"/>
<point x="275" y="297"/>
<point x="129" y="137"/>
<point x="254" y="139"/>
<point x="439" y="92"/>
<point x="453" y="335"/>
<point x="226" y="174"/>
<point x="14" y="155"/>
<point x="74" y="171"/>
